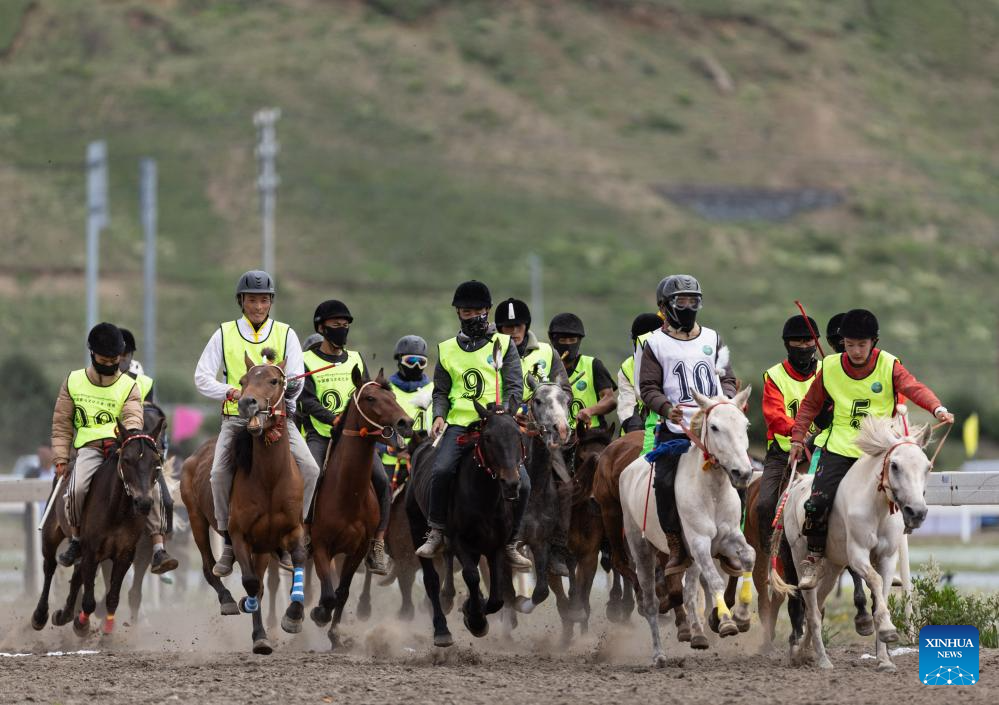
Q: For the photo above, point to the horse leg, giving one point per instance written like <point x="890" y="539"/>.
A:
<point x="140" y="564"/>
<point x="52" y="537"/>
<point x="700" y="549"/>
<point x="364" y="601"/>
<point x="863" y="622"/>
<point x="343" y="592"/>
<point x="273" y="588"/>
<point x="627" y="600"/>
<point x="65" y="614"/>
<point x="645" y="562"/>
<point x="905" y="574"/>
<point x="293" y="617"/>
<point x="815" y="613"/>
<point x="200" y="530"/>
<point x="448" y="592"/>
<point x="585" y="572"/>
<point x="256" y="571"/>
<point x="615" y="596"/>
<point x="541" y="591"/>
<point x="432" y="585"/>
<point x="88" y="576"/>
<point x="741" y="613"/>
<point x="882" y="620"/>
<point x="714" y="620"/>
<point x="501" y="586"/>
<point x="475" y="620"/>
<point x="887" y="633"/>
<point x="691" y="583"/>
<point x="561" y="605"/>
<point x="406" y="576"/>
<point x="323" y="611"/>
<point x="118" y="570"/>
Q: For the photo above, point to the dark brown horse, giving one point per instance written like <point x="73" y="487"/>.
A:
<point x="346" y="513"/>
<point x="114" y="517"/>
<point x="265" y="507"/>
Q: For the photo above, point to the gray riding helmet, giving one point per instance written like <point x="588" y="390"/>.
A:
<point x="676" y="284"/>
<point x="410" y="345"/>
<point x="255" y="281"/>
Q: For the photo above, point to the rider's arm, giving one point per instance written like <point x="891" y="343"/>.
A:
<point x="62" y="427"/>
<point x="650" y="383"/>
<point x="209" y="365"/>
<point x="604" y="384"/>
<point x="811" y="406"/>
<point x="131" y="412"/>
<point x="774" y="409"/>
<point x="442" y="391"/>
<point x="729" y="384"/>
<point x="294" y="365"/>
<point x="626" y="399"/>
<point x="905" y="383"/>
<point x="310" y="404"/>
<point x="513" y="376"/>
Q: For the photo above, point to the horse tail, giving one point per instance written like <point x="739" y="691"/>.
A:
<point x="776" y="582"/>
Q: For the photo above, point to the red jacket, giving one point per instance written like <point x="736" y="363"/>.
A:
<point x="774" y="407"/>
<point x="902" y="380"/>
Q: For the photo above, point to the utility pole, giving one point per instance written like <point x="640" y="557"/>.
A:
<point x="267" y="178"/>
<point x="537" y="288"/>
<point x="147" y="208"/>
<point x="97" y="219"/>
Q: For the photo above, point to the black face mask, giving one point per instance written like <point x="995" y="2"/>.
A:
<point x="682" y="319"/>
<point x="475" y="327"/>
<point x="801" y="359"/>
<point x="567" y="351"/>
<point x="335" y="336"/>
<point x="410" y="374"/>
<point x="103" y="370"/>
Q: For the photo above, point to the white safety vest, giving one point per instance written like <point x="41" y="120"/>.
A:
<point x="688" y="366"/>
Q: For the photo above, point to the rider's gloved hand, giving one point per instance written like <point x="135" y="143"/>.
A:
<point x="438" y="428"/>
<point x="796" y="454"/>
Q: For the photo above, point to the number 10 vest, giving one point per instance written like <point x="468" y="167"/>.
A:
<point x="688" y="366"/>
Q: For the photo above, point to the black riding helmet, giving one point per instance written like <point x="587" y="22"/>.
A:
<point x="129" y="339"/>
<point x="106" y="339"/>
<point x="832" y="332"/>
<point x="472" y="294"/>
<point x="796" y="327"/>
<point x="859" y="324"/>
<point x="566" y="324"/>
<point x="512" y="312"/>
<point x="331" y="308"/>
<point x="645" y="323"/>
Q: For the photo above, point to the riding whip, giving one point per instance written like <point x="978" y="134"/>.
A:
<point x="815" y="336"/>
<point x="51" y="501"/>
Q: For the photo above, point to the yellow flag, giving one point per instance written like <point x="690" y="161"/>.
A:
<point x="970" y="433"/>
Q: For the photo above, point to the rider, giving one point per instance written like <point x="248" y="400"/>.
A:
<point x="225" y="352"/>
<point x="465" y="373"/>
<point x="784" y="386"/>
<point x="131" y="366"/>
<point x="592" y="385"/>
<point x="630" y="410"/>
<point x="538" y="359"/>
<point x="325" y="395"/>
<point x="90" y="404"/>
<point x="862" y="381"/>
<point x="678" y="359"/>
<point x="409" y="384"/>
<point x="833" y="337"/>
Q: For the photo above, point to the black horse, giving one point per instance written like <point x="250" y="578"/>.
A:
<point x="480" y="518"/>
<point x="114" y="517"/>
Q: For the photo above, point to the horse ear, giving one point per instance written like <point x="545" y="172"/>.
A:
<point x="356" y="377"/>
<point x="532" y="382"/>
<point x="246" y="358"/>
<point x="479" y="409"/>
<point x="510" y="405"/>
<point x="702" y="401"/>
<point x="922" y="435"/>
<point x="281" y="364"/>
<point x="380" y="378"/>
<point x="742" y="398"/>
<point x="119" y="430"/>
<point x="160" y="425"/>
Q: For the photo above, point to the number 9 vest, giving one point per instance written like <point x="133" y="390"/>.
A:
<point x="473" y="377"/>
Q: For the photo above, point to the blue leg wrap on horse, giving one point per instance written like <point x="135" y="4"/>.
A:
<point x="251" y="604"/>
<point x="298" y="586"/>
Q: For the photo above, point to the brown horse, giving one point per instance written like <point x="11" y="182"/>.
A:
<point x="265" y="507"/>
<point x="114" y="517"/>
<point x="346" y="512"/>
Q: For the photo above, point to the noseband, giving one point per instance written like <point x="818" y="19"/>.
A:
<point x="384" y="431"/>
<point x="121" y="470"/>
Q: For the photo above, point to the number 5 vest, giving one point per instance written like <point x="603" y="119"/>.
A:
<point x="853" y="399"/>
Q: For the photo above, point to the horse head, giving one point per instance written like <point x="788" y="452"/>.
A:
<point x="139" y="463"/>
<point x="501" y="445"/>
<point x="261" y="400"/>
<point x="722" y="426"/>
<point x="377" y="405"/>
<point x="903" y="467"/>
<point x="549" y="408"/>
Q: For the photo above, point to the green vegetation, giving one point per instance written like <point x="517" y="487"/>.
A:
<point x="424" y="142"/>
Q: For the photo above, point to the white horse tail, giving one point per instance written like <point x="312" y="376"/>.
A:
<point x="775" y="582"/>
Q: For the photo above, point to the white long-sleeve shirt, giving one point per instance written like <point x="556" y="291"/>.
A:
<point x="627" y="397"/>
<point x="209" y="370"/>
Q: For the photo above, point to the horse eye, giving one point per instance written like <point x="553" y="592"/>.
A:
<point x="274" y="382"/>
<point x="369" y="398"/>
<point x="894" y="467"/>
<point x="713" y="427"/>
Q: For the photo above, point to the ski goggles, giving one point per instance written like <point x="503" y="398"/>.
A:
<point x="682" y="301"/>
<point x="414" y="361"/>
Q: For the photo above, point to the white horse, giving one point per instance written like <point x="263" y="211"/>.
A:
<point x="710" y="513"/>
<point x="865" y="528"/>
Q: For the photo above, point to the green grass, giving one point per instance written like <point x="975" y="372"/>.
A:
<point x="426" y="142"/>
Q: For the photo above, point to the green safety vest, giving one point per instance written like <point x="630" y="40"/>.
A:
<point x="472" y="377"/>
<point x="628" y="370"/>
<point x="420" y="416"/>
<point x="543" y="358"/>
<point x="333" y="386"/>
<point x="853" y="399"/>
<point x="234" y="346"/>
<point x="793" y="391"/>
<point x="145" y="383"/>
<point x="584" y="393"/>
<point x="96" y="409"/>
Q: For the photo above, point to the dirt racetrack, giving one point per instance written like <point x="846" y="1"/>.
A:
<point x="191" y="654"/>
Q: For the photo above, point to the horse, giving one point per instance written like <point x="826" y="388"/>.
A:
<point x="586" y="532"/>
<point x="113" y="519"/>
<point x="707" y="479"/>
<point x="547" y="426"/>
<point x="480" y="516"/>
<point x="265" y="507"/>
<point x="346" y="511"/>
<point x="866" y="530"/>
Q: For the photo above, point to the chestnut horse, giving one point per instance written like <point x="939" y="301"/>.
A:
<point x="265" y="507"/>
<point x="346" y="512"/>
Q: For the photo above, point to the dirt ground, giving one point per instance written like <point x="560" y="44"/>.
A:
<point x="187" y="652"/>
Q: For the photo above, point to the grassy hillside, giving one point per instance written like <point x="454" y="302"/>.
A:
<point x="425" y="142"/>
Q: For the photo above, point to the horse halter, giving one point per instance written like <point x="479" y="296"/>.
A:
<point x="365" y="431"/>
<point x="702" y="442"/>
<point x="156" y="449"/>
<point x="276" y="407"/>
<point x="474" y="438"/>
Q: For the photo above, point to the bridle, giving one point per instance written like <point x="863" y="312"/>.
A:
<point x="385" y="432"/>
<point x="701" y="443"/>
<point x="473" y="438"/>
<point x="156" y="449"/>
<point x="883" y="479"/>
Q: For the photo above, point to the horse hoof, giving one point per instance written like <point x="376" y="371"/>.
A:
<point x="406" y="613"/>
<point x="522" y="604"/>
<point x="443" y="640"/>
<point x="683" y="632"/>
<point x="229" y="608"/>
<point x="243" y="609"/>
<point x="108" y="627"/>
<point x="320" y="616"/>
<point x="38" y="620"/>
<point x="613" y="613"/>
<point x="659" y="661"/>
<point x="825" y="664"/>
<point x="61" y="618"/>
<point x="713" y="621"/>
<point x="292" y="626"/>
<point x="81" y="629"/>
<point x="699" y="641"/>
<point x="363" y="611"/>
<point x="727" y="628"/>
<point x="480" y="632"/>
<point x="888" y="636"/>
<point x="742" y="624"/>
<point x="864" y="624"/>
<point x="887" y="667"/>
<point x="262" y="647"/>
<point x="577" y="615"/>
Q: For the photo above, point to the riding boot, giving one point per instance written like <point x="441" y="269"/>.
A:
<point x="72" y="554"/>
<point x="433" y="545"/>
<point x="163" y="562"/>
<point x="516" y="559"/>
<point x="678" y="558"/>
<point x="809" y="570"/>
<point x="223" y="566"/>
<point x="375" y="560"/>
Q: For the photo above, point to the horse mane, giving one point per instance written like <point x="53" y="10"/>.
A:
<point x="878" y="434"/>
<point x="697" y="422"/>
<point x="269" y="355"/>
<point x="243" y="450"/>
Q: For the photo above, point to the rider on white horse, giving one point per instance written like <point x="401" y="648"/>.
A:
<point x="863" y="381"/>
<point x="631" y="412"/>
<point x="678" y="360"/>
